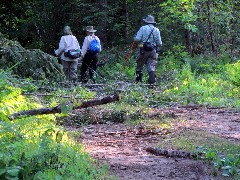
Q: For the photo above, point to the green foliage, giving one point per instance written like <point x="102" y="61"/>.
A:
<point x="229" y="164"/>
<point x="208" y="85"/>
<point x="118" y="67"/>
<point x="182" y="79"/>
<point x="10" y="171"/>
<point x="181" y="11"/>
<point x="10" y="98"/>
<point x="34" y="147"/>
<point x="174" y="59"/>
<point x="33" y="64"/>
<point x="135" y="96"/>
<point x="223" y="153"/>
<point x="233" y="73"/>
<point x="39" y="24"/>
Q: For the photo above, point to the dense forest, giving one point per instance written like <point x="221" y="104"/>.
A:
<point x="186" y="126"/>
<point x="201" y="26"/>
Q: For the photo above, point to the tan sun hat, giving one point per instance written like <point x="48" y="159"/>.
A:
<point x="149" y="20"/>
<point x="90" y="29"/>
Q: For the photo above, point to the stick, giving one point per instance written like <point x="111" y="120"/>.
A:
<point x="57" y="109"/>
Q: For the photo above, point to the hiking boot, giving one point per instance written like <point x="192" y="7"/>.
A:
<point x="151" y="77"/>
<point x="139" y="76"/>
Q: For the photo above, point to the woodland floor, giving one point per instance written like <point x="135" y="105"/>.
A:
<point x="123" y="146"/>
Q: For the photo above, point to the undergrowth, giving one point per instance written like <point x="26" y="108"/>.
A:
<point x="181" y="79"/>
<point x="223" y="153"/>
<point x="34" y="147"/>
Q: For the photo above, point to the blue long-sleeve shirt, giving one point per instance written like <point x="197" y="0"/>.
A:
<point x="143" y="33"/>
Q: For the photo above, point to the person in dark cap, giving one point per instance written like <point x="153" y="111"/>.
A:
<point x="89" y="59"/>
<point x="68" y="41"/>
<point x="149" y="39"/>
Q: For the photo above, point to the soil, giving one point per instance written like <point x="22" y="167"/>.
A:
<point x="123" y="146"/>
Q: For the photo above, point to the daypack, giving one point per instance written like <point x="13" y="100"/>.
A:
<point x="148" y="46"/>
<point x="73" y="53"/>
<point x="94" y="46"/>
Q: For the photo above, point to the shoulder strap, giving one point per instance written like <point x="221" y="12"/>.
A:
<point x="150" y="34"/>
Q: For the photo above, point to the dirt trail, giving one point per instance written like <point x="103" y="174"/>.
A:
<point x="123" y="146"/>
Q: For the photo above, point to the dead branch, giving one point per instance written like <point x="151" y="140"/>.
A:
<point x="173" y="153"/>
<point x="57" y="109"/>
<point x="46" y="94"/>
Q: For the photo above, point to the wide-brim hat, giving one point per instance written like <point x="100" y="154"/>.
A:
<point x="149" y="20"/>
<point x="67" y="30"/>
<point x="90" y="29"/>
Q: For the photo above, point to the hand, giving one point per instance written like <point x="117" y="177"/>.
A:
<point x="134" y="37"/>
<point x="55" y="53"/>
<point x="81" y="58"/>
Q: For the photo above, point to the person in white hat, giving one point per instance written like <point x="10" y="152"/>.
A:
<point x="68" y="41"/>
<point x="149" y="40"/>
<point x="89" y="59"/>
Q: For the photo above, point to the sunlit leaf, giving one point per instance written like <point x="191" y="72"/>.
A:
<point x="59" y="136"/>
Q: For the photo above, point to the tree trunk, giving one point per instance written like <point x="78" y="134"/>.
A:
<point x="234" y="29"/>
<point x="188" y="42"/>
<point x="127" y="20"/>
<point x="57" y="109"/>
<point x="210" y="28"/>
<point x="144" y="7"/>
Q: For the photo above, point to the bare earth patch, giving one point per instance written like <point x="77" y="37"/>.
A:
<point x="123" y="146"/>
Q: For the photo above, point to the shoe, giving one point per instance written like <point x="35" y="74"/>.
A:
<point x="139" y="76"/>
<point x="151" y="77"/>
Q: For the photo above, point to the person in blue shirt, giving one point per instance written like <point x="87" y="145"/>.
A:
<point x="149" y="39"/>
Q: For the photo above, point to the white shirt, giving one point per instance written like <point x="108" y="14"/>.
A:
<point x="66" y="43"/>
<point x="86" y="43"/>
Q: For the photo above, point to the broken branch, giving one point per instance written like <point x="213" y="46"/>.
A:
<point x="57" y="109"/>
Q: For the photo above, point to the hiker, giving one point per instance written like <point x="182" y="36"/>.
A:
<point x="149" y="40"/>
<point x="89" y="59"/>
<point x="68" y="42"/>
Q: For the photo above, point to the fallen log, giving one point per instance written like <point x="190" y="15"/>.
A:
<point x="173" y="153"/>
<point x="57" y="109"/>
<point x="35" y="94"/>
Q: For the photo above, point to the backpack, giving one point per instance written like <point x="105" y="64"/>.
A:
<point x="94" y="46"/>
<point x="148" y="46"/>
<point x="73" y="53"/>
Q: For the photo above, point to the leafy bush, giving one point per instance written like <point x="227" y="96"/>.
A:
<point x="34" y="147"/>
<point x="233" y="73"/>
<point x="229" y="164"/>
<point x="29" y="63"/>
<point x="208" y="89"/>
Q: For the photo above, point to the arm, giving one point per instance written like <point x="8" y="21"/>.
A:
<point x="139" y="35"/>
<point x="77" y="44"/>
<point x="61" y="48"/>
<point x="159" y="39"/>
<point x="85" y="46"/>
<point x="99" y="43"/>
